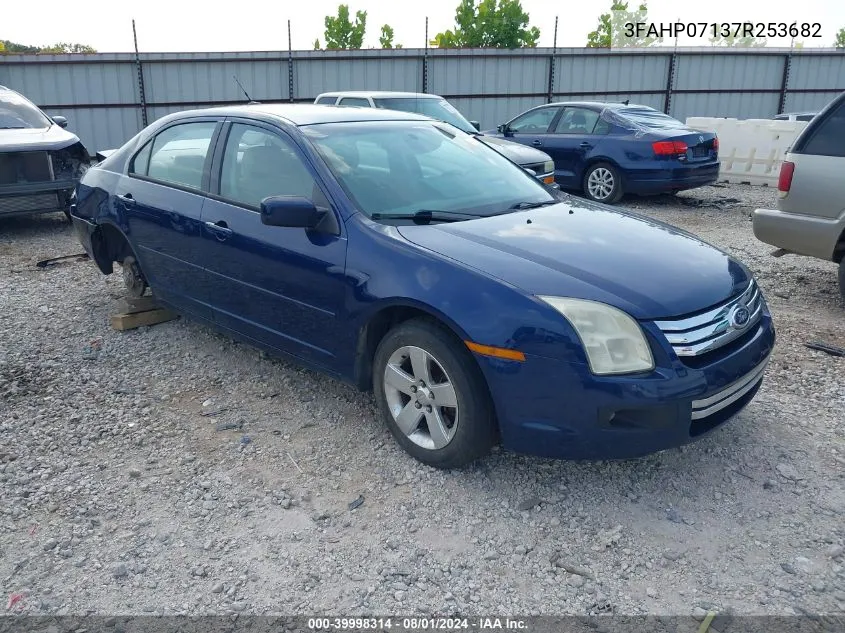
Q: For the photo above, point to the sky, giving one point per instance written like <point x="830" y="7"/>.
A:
<point x="261" y="25"/>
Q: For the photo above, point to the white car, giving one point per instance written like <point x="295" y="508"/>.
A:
<point x="436" y="107"/>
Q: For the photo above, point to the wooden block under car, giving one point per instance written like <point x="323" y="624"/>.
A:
<point x="140" y="311"/>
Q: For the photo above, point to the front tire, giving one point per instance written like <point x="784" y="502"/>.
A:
<point x="602" y="183"/>
<point x="432" y="395"/>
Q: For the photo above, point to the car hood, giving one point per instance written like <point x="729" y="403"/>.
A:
<point x="49" y="138"/>
<point x="518" y="153"/>
<point x="578" y="249"/>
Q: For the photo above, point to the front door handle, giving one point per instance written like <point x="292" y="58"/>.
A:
<point x="536" y="142"/>
<point x="220" y="229"/>
<point x="127" y="199"/>
<point x="586" y="145"/>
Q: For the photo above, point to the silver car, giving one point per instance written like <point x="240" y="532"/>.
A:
<point x="436" y="107"/>
<point x="810" y="215"/>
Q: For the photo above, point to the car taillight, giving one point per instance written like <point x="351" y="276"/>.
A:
<point x="669" y="148"/>
<point x="785" y="179"/>
<point x="716" y="144"/>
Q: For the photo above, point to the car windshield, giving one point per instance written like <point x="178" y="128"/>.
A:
<point x="439" y="109"/>
<point x="18" y="113"/>
<point x="401" y="167"/>
<point x="650" y="118"/>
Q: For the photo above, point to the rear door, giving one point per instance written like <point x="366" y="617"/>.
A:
<point x="576" y="133"/>
<point x="280" y="286"/>
<point x="162" y="196"/>
<point x="818" y="185"/>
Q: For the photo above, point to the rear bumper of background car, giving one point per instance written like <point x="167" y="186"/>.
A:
<point x="34" y="198"/>
<point x="559" y="409"/>
<point x="798" y="233"/>
<point x="689" y="176"/>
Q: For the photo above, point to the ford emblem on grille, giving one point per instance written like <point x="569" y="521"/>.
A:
<point x="739" y="317"/>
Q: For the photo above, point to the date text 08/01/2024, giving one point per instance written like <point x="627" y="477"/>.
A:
<point x="722" y="29"/>
<point x="416" y="624"/>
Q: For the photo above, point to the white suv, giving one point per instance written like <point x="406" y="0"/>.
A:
<point x="810" y="218"/>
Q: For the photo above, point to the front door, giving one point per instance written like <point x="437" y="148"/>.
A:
<point x="162" y="197"/>
<point x="282" y="287"/>
<point x="575" y="135"/>
<point x="532" y="127"/>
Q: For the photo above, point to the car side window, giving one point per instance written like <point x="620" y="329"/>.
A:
<point x="534" y="122"/>
<point x="177" y="155"/>
<point x="355" y="102"/>
<point x="828" y="139"/>
<point x="577" y="121"/>
<point x="258" y="164"/>
<point x="326" y="100"/>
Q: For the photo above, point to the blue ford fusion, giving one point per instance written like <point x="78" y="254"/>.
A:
<point x="399" y="254"/>
<point x="608" y="149"/>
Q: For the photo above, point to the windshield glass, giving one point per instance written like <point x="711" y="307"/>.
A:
<point x="16" y="112"/>
<point x="439" y="109"/>
<point x="400" y="167"/>
<point x="650" y="118"/>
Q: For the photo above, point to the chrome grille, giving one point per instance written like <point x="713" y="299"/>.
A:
<point x="697" y="335"/>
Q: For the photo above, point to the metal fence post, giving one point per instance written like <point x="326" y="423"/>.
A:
<point x="425" y="60"/>
<point x="552" y="67"/>
<point x="670" y="82"/>
<point x="290" y="66"/>
<point x="140" y="71"/>
<point x="784" y="84"/>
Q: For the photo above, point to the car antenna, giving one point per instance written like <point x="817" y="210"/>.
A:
<point x="248" y="98"/>
<point x="625" y="102"/>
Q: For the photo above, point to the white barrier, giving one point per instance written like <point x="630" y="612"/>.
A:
<point x="752" y="150"/>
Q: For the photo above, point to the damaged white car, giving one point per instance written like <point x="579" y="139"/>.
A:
<point x="40" y="161"/>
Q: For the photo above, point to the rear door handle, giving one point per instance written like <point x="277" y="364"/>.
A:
<point x="586" y="145"/>
<point x="537" y="142"/>
<point x="220" y="229"/>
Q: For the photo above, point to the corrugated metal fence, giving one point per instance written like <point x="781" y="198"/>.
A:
<point x="107" y="97"/>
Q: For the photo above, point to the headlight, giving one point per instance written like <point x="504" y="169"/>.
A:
<point x="548" y="166"/>
<point x="613" y="341"/>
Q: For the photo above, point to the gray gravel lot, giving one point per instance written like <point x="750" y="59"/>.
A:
<point x="171" y="470"/>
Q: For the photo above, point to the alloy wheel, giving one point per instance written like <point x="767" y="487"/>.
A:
<point x="600" y="183"/>
<point x="421" y="397"/>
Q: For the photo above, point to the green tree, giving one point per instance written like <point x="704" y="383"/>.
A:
<point x="317" y="44"/>
<point x="61" y="47"/>
<point x="738" y="42"/>
<point x="341" y="33"/>
<point x="489" y="24"/>
<point x="386" y="39"/>
<point x="610" y="31"/>
<point x="839" y="42"/>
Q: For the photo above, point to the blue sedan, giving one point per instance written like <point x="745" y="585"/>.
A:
<point x="404" y="256"/>
<point x="608" y="149"/>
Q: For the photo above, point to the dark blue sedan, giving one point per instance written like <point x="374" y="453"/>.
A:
<point x="401" y="255"/>
<point x="608" y="149"/>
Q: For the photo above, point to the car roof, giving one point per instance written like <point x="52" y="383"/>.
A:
<point x="376" y="94"/>
<point x="300" y="114"/>
<point x="613" y="105"/>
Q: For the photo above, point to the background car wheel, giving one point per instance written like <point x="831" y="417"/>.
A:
<point x="432" y="395"/>
<point x="603" y="183"/>
<point x="133" y="277"/>
<point x="842" y="277"/>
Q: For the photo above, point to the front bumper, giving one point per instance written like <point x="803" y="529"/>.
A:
<point x="554" y="408"/>
<point x="802" y="234"/>
<point x="36" y="197"/>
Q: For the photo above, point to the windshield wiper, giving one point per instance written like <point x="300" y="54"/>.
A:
<point x="426" y="216"/>
<point x="532" y="205"/>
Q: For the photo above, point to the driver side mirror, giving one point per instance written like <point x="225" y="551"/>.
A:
<point x="60" y="121"/>
<point x="505" y="129"/>
<point x="476" y="125"/>
<point x="291" y="212"/>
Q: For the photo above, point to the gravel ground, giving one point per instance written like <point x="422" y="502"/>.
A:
<point x="170" y="470"/>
